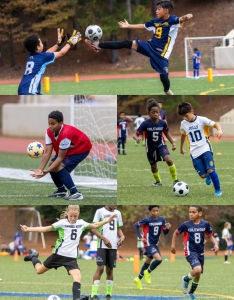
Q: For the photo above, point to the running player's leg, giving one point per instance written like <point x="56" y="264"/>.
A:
<point x="114" y="45"/>
<point x="157" y="261"/>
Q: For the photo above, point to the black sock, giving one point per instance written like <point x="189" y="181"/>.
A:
<point x="35" y="261"/>
<point x="143" y="268"/>
<point x="225" y="257"/>
<point x="76" y="290"/>
<point x="186" y="279"/>
<point x="165" y="81"/>
<point x="193" y="287"/>
<point x="115" y="45"/>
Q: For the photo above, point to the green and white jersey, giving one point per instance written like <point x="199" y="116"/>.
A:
<point x="69" y="237"/>
<point x="108" y="230"/>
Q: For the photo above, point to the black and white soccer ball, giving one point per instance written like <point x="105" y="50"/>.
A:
<point x="181" y="189"/>
<point x="93" y="33"/>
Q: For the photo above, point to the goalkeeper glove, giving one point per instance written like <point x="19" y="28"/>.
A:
<point x="61" y="37"/>
<point x="74" y="39"/>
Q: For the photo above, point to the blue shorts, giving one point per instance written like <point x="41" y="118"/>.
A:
<point x="158" y="63"/>
<point x="157" y="154"/>
<point x="196" y="66"/>
<point x="203" y="163"/>
<point x="151" y="250"/>
<point x="195" y="259"/>
<point x="72" y="161"/>
<point x="122" y="139"/>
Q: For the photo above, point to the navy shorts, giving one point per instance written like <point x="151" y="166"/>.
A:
<point x="151" y="250"/>
<point x="122" y="140"/>
<point x="195" y="259"/>
<point x="106" y="257"/>
<point x="203" y="163"/>
<point x="158" y="63"/>
<point x="55" y="261"/>
<point x="72" y="161"/>
<point x="196" y="66"/>
<point x="157" y="154"/>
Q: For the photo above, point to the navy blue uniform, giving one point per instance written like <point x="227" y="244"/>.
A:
<point x="122" y="126"/>
<point x="155" y="145"/>
<point x="194" y="238"/>
<point x="35" y="68"/>
<point x="152" y="229"/>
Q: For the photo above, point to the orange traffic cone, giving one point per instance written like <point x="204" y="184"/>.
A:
<point x="216" y="139"/>
<point x="172" y="257"/>
<point x="76" y="77"/>
<point x="16" y="255"/>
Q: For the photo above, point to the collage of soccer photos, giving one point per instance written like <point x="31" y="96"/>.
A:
<point x="116" y="150"/>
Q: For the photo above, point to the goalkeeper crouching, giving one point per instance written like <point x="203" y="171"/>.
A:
<point x="38" y="60"/>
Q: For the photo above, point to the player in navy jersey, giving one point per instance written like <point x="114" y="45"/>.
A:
<point x="122" y="126"/>
<point x="158" y="49"/>
<point x="37" y="60"/>
<point x="155" y="145"/>
<point x="196" y="63"/>
<point x="71" y="147"/>
<point x="152" y="228"/>
<point x="162" y="112"/>
<point x="194" y="238"/>
<point x="196" y="129"/>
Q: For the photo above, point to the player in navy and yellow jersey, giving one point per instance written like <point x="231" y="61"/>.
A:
<point x="196" y="63"/>
<point x="65" y="251"/>
<point x="155" y="146"/>
<point x="71" y="147"/>
<point x="196" y="128"/>
<point x="158" y="49"/>
<point x="151" y="230"/>
<point x="37" y="60"/>
<point x="194" y="238"/>
<point x="122" y="127"/>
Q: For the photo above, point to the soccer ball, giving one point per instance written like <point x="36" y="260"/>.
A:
<point x="181" y="189"/>
<point x="53" y="297"/>
<point x="93" y="33"/>
<point x="35" y="149"/>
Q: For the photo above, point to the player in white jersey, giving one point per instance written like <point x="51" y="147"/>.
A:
<point x="65" y="251"/>
<point x="107" y="247"/>
<point x="225" y="241"/>
<point x="137" y="124"/>
<point x="196" y="129"/>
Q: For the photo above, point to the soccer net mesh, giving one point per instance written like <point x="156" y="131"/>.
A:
<point x="96" y="117"/>
<point x="216" y="53"/>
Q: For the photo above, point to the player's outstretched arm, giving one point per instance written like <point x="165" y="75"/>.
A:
<point x="173" y="242"/>
<point x="98" y="224"/>
<point x="74" y="39"/>
<point x="125" y="24"/>
<point x="185" y="18"/>
<point x="60" y="40"/>
<point x="25" y="228"/>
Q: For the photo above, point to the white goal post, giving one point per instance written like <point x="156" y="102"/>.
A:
<point x="217" y="52"/>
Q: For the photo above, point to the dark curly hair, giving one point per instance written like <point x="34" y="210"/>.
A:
<point x="166" y="4"/>
<point x="56" y="115"/>
<point x="31" y="42"/>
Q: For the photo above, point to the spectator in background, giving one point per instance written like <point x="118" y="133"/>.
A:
<point x="216" y="237"/>
<point x="140" y="245"/>
<point x="122" y="127"/>
<point x="137" y="124"/>
<point x="162" y="112"/>
<point x="87" y="238"/>
<point x="18" y="244"/>
<point x="225" y="241"/>
<point x="230" y="247"/>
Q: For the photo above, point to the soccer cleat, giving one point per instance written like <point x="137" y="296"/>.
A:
<point x="93" y="45"/>
<point x="58" y="194"/>
<point x="84" y="298"/>
<point x="175" y="181"/>
<point x="227" y="262"/>
<point x="169" y="92"/>
<point x="185" y="285"/>
<point x="208" y="179"/>
<point x="147" y="277"/>
<point x="30" y="256"/>
<point x="137" y="281"/>
<point x="95" y="297"/>
<point x="191" y="296"/>
<point x="108" y="297"/>
<point x="75" y="196"/>
<point x="218" y="193"/>
<point x="124" y="153"/>
<point x="157" y="183"/>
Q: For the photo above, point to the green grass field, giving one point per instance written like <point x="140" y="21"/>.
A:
<point x="135" y="178"/>
<point x="22" y="192"/>
<point x="149" y="86"/>
<point x="215" y="283"/>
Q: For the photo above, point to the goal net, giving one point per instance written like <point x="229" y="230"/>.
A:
<point x="217" y="52"/>
<point x="96" y="117"/>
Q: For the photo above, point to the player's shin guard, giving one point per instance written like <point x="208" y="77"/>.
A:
<point x="95" y="287"/>
<point x="215" y="179"/>
<point x="154" y="265"/>
<point x="193" y="287"/>
<point x="144" y="267"/>
<point x="166" y="82"/>
<point x="173" y="172"/>
<point x="115" y="45"/>
<point x="76" y="290"/>
<point x="157" y="177"/>
<point x="109" y="287"/>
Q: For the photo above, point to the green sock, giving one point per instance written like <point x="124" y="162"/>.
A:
<point x="173" y="172"/>
<point x="94" y="290"/>
<point x="109" y="287"/>
<point x="157" y="177"/>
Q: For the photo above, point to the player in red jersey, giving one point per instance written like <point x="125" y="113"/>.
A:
<point x="71" y="147"/>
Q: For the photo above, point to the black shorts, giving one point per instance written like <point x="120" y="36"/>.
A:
<point x="106" y="257"/>
<point x="224" y="244"/>
<point x="55" y="261"/>
<point x="157" y="154"/>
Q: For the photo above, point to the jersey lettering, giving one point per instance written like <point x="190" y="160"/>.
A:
<point x="29" y="67"/>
